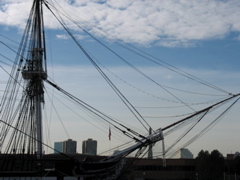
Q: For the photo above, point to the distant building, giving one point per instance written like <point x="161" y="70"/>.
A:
<point x="237" y="154"/>
<point x="58" y="147"/>
<point x="230" y="156"/>
<point x="68" y="146"/>
<point x="89" y="147"/>
<point x="185" y="154"/>
<point x="233" y="156"/>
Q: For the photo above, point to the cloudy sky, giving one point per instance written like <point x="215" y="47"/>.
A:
<point x="199" y="37"/>
<point x="163" y="23"/>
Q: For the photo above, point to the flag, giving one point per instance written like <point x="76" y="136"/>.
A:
<point x="109" y="134"/>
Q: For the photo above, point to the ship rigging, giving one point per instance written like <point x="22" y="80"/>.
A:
<point x="21" y="118"/>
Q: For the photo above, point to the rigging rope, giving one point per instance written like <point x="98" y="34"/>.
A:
<point x="116" y="90"/>
<point x="99" y="114"/>
<point x="187" y="131"/>
<point x="86" y="28"/>
<point x="25" y="103"/>
<point x="121" y="58"/>
<point x="33" y="138"/>
<point x="207" y="128"/>
<point x="178" y="71"/>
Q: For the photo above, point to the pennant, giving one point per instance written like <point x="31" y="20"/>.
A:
<point x="109" y="134"/>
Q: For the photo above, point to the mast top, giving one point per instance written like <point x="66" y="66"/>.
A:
<point x="35" y="65"/>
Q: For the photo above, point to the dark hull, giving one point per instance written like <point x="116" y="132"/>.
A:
<point x="57" y="166"/>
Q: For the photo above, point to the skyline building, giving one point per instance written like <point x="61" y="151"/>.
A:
<point x="68" y="146"/>
<point x="58" y="147"/>
<point x="89" y="147"/>
<point x="185" y="154"/>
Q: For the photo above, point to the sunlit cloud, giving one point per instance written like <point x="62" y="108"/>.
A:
<point x="62" y="36"/>
<point x="165" y="23"/>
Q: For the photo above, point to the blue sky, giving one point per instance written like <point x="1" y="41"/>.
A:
<point x="199" y="37"/>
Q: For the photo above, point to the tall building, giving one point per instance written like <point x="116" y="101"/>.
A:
<point x="69" y="146"/>
<point x="58" y="147"/>
<point x="185" y="154"/>
<point x="89" y="147"/>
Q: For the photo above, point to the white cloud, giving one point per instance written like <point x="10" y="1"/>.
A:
<point x="165" y="22"/>
<point x="14" y="13"/>
<point x="62" y="36"/>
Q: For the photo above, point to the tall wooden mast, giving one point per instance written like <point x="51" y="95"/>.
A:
<point x="34" y="71"/>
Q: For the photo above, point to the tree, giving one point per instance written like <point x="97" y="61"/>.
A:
<point x="210" y="166"/>
<point x="237" y="164"/>
<point x="216" y="162"/>
<point x="202" y="166"/>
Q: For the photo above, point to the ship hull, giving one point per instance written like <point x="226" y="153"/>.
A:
<point x="55" y="166"/>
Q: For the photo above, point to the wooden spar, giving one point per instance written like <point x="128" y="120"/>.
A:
<point x="199" y="112"/>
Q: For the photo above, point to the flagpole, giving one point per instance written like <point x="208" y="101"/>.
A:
<point x="109" y="137"/>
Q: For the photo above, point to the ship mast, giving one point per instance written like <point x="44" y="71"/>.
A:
<point x="34" y="72"/>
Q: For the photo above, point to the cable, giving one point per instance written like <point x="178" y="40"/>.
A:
<point x="122" y="97"/>
<point x="128" y="63"/>
<point x="35" y="139"/>
<point x="165" y="64"/>
<point x="176" y="70"/>
<point x="96" y="112"/>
